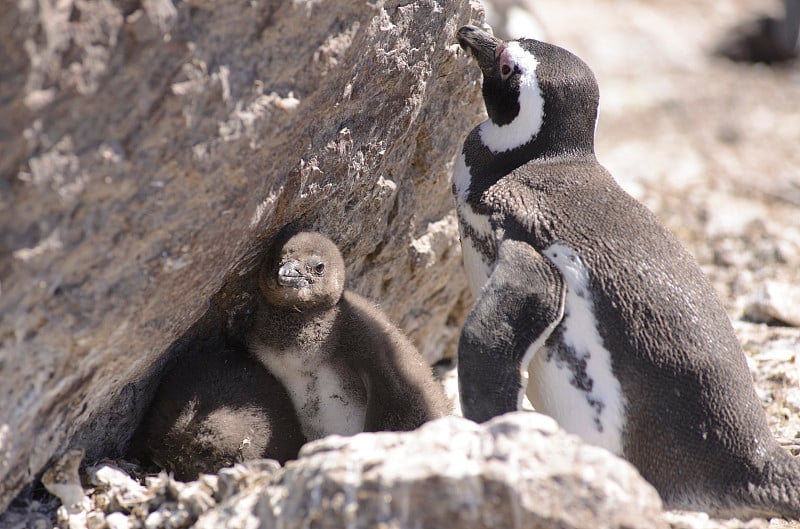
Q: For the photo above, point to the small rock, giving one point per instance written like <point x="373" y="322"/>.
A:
<point x="95" y="520"/>
<point x="210" y="483"/>
<point x="232" y="480"/>
<point x="122" y="490"/>
<point x="62" y="480"/>
<point x="154" y="520"/>
<point x="158" y="485"/>
<point x="792" y="400"/>
<point x="168" y="516"/>
<point x="196" y="498"/>
<point x="775" y="301"/>
<point x="70" y="520"/>
<point x="728" y="215"/>
<point x="39" y="524"/>
<point x="241" y="513"/>
<point x="117" y="520"/>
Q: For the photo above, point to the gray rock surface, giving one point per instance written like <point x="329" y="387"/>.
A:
<point x="150" y="149"/>
<point x="516" y="471"/>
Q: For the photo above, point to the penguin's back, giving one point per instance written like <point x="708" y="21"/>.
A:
<point x="689" y="397"/>
<point x="217" y="407"/>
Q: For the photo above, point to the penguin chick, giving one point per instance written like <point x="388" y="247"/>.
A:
<point x="590" y="307"/>
<point x="216" y="407"/>
<point x="346" y="367"/>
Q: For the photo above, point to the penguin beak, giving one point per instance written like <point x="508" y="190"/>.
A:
<point x="482" y="45"/>
<point x="289" y="275"/>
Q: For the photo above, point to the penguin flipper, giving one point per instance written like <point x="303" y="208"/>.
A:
<point x="518" y="308"/>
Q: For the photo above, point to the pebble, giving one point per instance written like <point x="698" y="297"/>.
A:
<point x="118" y="520"/>
<point x="775" y="301"/>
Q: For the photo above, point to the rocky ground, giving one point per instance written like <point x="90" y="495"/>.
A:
<point x="709" y="145"/>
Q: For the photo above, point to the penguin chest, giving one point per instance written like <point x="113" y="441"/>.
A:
<point x="475" y="237"/>
<point x="570" y="377"/>
<point x="477" y="240"/>
<point x="328" y="397"/>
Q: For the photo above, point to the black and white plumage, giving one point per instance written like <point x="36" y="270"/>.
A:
<point x="345" y="366"/>
<point x="215" y="407"/>
<point x="592" y="309"/>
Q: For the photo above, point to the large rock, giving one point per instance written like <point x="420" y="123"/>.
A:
<point x="150" y="150"/>
<point x="517" y="471"/>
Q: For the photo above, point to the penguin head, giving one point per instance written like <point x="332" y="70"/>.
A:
<point x="533" y="90"/>
<point x="303" y="272"/>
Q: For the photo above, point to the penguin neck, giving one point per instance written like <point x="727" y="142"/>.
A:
<point x="503" y="137"/>
<point x="284" y="327"/>
<point x="552" y="144"/>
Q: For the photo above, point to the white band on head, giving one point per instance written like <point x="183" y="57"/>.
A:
<point x="500" y="138"/>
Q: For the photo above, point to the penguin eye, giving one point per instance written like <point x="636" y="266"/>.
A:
<point x="319" y="268"/>
<point x="505" y="71"/>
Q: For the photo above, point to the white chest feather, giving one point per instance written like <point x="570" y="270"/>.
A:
<point x="326" y="402"/>
<point x="473" y="228"/>
<point x="475" y="263"/>
<point x="572" y="380"/>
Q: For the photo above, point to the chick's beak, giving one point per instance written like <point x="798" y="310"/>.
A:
<point x="289" y="275"/>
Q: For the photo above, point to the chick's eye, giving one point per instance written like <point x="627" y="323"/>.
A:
<point x="319" y="268"/>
